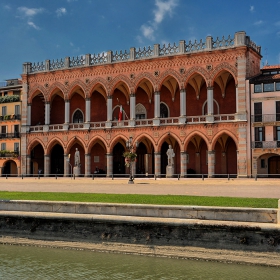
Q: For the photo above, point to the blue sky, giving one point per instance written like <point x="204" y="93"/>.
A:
<point x="36" y="30"/>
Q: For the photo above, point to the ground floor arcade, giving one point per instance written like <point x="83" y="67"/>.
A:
<point x="207" y="151"/>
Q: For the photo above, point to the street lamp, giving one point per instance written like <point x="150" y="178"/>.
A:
<point x="130" y="157"/>
<point x="69" y="155"/>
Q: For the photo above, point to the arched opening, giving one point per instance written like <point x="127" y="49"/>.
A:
<point x="57" y="109"/>
<point x="77" y="103"/>
<point x="37" y="160"/>
<point x="38" y="110"/>
<point x="98" y="159"/>
<point x="78" y="116"/>
<point x="164" y="112"/>
<point x="98" y="101"/>
<point x="196" y="95"/>
<point x="118" y="159"/>
<point x="170" y="96"/>
<point x="144" y="96"/>
<point x="141" y="164"/>
<point x="121" y="98"/>
<point x="197" y="157"/>
<point x="9" y="168"/>
<point x="72" y="151"/>
<point x="224" y="92"/>
<point x="225" y="156"/>
<point x="164" y="157"/>
<point x="274" y="166"/>
<point x="57" y="160"/>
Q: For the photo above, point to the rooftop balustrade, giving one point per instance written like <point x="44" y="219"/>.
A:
<point x="239" y="39"/>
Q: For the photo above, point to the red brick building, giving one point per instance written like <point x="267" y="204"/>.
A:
<point x="191" y="96"/>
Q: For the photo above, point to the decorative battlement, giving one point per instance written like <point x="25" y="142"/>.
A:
<point x="240" y="39"/>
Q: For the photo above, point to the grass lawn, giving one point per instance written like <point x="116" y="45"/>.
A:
<point x="143" y="199"/>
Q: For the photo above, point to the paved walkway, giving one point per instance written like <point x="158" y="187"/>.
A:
<point x="263" y="188"/>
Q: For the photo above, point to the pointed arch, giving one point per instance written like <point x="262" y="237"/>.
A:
<point x="196" y="70"/>
<point x="73" y="141"/>
<point x="99" y="85"/>
<point x="54" y="89"/>
<point x="120" y="138"/>
<point x="123" y="84"/>
<point x="146" y="84"/>
<point x="219" y="134"/>
<point x="52" y="143"/>
<point x="79" y="87"/>
<point x="97" y="140"/>
<point x="223" y="67"/>
<point x="36" y="90"/>
<point x="36" y="141"/>
<point x="169" y="135"/>
<point x="143" y="138"/>
<point x="194" y="134"/>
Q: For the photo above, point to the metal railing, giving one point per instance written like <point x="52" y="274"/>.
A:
<point x="265" y="118"/>
<point x="265" y="144"/>
<point x="10" y="135"/>
<point x="10" y="117"/>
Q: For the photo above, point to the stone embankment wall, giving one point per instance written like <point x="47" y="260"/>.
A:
<point x="207" y="227"/>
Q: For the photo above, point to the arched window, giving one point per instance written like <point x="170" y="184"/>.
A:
<point x="163" y="110"/>
<point x="78" y="117"/>
<point x="140" y="111"/>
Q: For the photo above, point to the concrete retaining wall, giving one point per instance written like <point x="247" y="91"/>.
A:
<point x="243" y="229"/>
<point x="257" y="215"/>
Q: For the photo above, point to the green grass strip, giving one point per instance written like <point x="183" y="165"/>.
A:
<point x="143" y="199"/>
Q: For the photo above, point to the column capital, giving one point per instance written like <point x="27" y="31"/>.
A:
<point x="132" y="94"/>
<point x="210" y="88"/>
<point x="88" y="99"/>
<point x="157" y="92"/>
<point x="211" y="152"/>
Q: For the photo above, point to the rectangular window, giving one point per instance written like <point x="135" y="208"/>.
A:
<point x="259" y="134"/>
<point x="3" y="146"/>
<point x="4" y="110"/>
<point x="268" y="87"/>
<point x="16" y="147"/>
<point x="277" y="86"/>
<point x="258" y="88"/>
<point x="277" y="133"/>
<point x="258" y="112"/>
<point x="277" y="103"/>
<point x="140" y="116"/>
<point x="4" y="129"/>
<point x="17" y="112"/>
<point x="262" y="163"/>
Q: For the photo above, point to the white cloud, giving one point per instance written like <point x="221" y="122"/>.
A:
<point x="32" y="24"/>
<point x="7" y="7"/>
<point x="61" y="11"/>
<point x="148" y="32"/>
<point x="163" y="8"/>
<point x="259" y="22"/>
<point x="252" y="9"/>
<point x="27" y="12"/>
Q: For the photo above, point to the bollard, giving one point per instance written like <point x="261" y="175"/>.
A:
<point x="112" y="176"/>
<point x="92" y="176"/>
<point x="38" y="176"/>
<point x="256" y="177"/>
<point x="155" y="176"/>
<point x="228" y="177"/>
<point x="202" y="177"/>
<point x="74" y="176"/>
<point x="178" y="177"/>
<point x="22" y="176"/>
<point x="56" y="176"/>
<point x="6" y="176"/>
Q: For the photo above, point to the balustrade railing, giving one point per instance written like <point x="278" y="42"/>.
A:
<point x="265" y="144"/>
<point x="137" y="123"/>
<point x="239" y="39"/>
<point x="265" y="118"/>
<point x="10" y="135"/>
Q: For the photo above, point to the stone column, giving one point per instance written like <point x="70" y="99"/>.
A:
<point x="157" y="164"/>
<point x="67" y="170"/>
<point x="29" y="114"/>
<point x="87" y="165"/>
<point x="47" y="113"/>
<point x="157" y="104"/>
<point x="46" y="165"/>
<point x="132" y="106"/>
<point x="28" y="165"/>
<point x="87" y="110"/>
<point x="197" y="163"/>
<point x="211" y="163"/>
<point x="184" y="164"/>
<point x="210" y="107"/>
<point x="242" y="160"/>
<point x="236" y="97"/>
<point x="109" y="108"/>
<point x="183" y="103"/>
<point x="67" y="111"/>
<point x="109" y="164"/>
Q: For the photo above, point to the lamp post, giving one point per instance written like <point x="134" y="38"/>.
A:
<point x="70" y="165"/>
<point x="131" y="147"/>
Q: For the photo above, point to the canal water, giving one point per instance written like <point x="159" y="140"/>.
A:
<point x="19" y="262"/>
